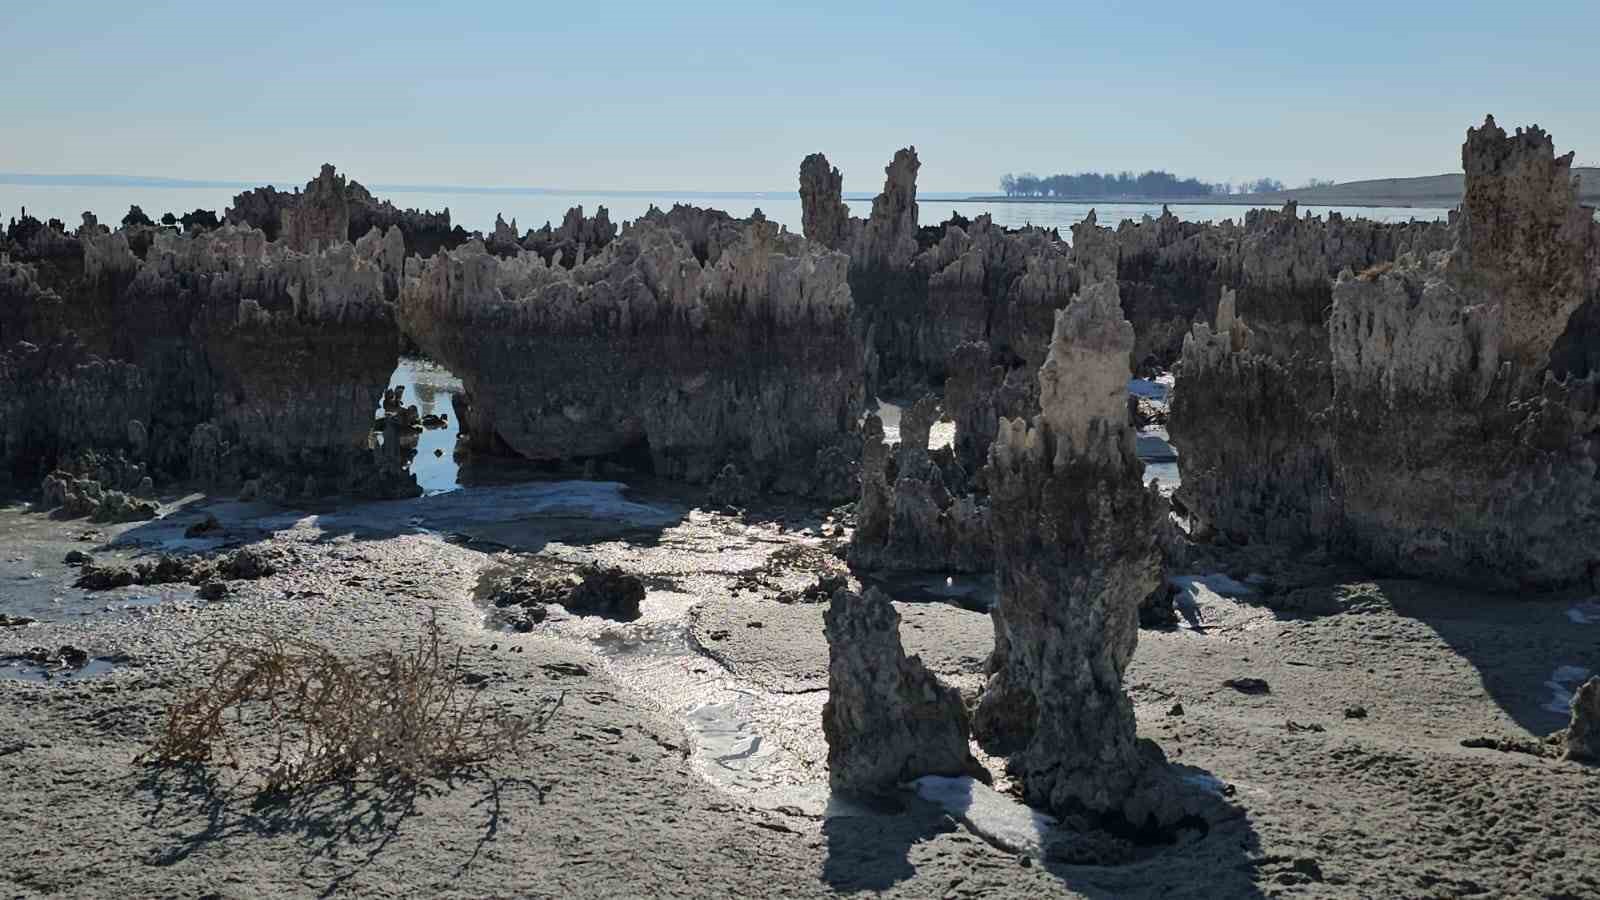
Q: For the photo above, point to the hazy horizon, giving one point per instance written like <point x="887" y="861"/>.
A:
<point x="730" y="97"/>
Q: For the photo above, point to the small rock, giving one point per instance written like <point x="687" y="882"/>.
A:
<point x="213" y="590"/>
<point x="1355" y="712"/>
<point x="1248" y="685"/>
<point x="1308" y="867"/>
<point x="1176" y="710"/>
<point x="438" y="452"/>
<point x="205" y="526"/>
<point x="15" y="621"/>
<point x="73" y="657"/>
<point x="78" y="558"/>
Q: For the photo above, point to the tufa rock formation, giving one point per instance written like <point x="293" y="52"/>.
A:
<point x="647" y="350"/>
<point x="1075" y="553"/>
<point x="1582" y="737"/>
<point x="216" y="355"/>
<point x="1430" y="416"/>
<point x="912" y="515"/>
<point x="888" y="720"/>
<point x="825" y="219"/>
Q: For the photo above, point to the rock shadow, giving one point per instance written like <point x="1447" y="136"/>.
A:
<point x="868" y="848"/>
<point x="523" y="516"/>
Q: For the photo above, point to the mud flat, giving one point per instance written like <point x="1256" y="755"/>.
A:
<point x="686" y="757"/>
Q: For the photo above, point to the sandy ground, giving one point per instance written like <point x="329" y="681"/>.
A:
<point x="685" y="758"/>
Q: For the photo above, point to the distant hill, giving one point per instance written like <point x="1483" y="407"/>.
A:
<point x="1428" y="190"/>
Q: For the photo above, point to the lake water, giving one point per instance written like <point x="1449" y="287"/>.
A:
<point x="477" y="210"/>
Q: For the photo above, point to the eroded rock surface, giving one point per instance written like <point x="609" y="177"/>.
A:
<point x="1429" y="416"/>
<point x="915" y="513"/>
<point x="1075" y="553"/>
<point x="216" y="355"/>
<point x="744" y="358"/>
<point x="1583" y="735"/>
<point x="888" y="719"/>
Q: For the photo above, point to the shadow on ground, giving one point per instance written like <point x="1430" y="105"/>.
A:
<point x="338" y="829"/>
<point x="872" y="850"/>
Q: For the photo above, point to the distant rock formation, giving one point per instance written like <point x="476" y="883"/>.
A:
<point x="743" y="357"/>
<point x="888" y="720"/>
<point x="577" y="239"/>
<point x="824" y="217"/>
<point x="1075" y="535"/>
<point x="914" y="513"/>
<point x="321" y="218"/>
<point x="329" y="200"/>
<point x="1432" y="416"/>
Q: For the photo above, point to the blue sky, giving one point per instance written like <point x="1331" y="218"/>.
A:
<point x="730" y="96"/>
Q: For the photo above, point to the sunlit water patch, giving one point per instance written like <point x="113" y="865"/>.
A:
<point x="433" y="390"/>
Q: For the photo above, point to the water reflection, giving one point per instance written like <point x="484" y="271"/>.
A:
<point x="433" y="389"/>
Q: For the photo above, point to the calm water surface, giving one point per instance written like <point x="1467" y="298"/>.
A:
<point x="477" y="211"/>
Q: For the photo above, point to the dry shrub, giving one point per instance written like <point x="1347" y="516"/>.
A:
<point x="331" y="718"/>
<point x="1374" y="272"/>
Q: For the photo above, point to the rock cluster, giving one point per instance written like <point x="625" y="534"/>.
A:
<point x="914" y="513"/>
<point x="1429" y="416"/>
<point x="1075" y="553"/>
<point x="576" y="239"/>
<point x="649" y="351"/>
<point x="887" y="720"/>
<point x="218" y="355"/>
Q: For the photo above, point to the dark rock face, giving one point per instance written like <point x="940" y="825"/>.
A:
<point x="216" y="355"/>
<point x="1433" y="416"/>
<point x="824" y="217"/>
<point x="1076" y="551"/>
<point x="322" y="217"/>
<point x="888" y="720"/>
<point x="577" y="238"/>
<point x="745" y="358"/>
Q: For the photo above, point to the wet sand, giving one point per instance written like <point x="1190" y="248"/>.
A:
<point x="686" y="756"/>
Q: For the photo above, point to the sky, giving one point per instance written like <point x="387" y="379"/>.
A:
<point x="731" y="96"/>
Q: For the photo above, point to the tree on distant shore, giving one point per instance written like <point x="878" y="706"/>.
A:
<point x="1154" y="184"/>
<point x="1318" y="183"/>
<point x="1261" y="186"/>
<point x="136" y="216"/>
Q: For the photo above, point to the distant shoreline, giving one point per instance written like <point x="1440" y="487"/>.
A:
<point x="1252" y="200"/>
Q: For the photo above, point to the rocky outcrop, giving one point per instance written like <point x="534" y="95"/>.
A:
<point x="743" y="358"/>
<point x="423" y="232"/>
<point x="321" y="218"/>
<point x="914" y="514"/>
<point x="262" y="208"/>
<point x="219" y="355"/>
<point x="1457" y="452"/>
<point x="1075" y="553"/>
<point x="823" y="214"/>
<point x="1582" y="737"/>
<point x="887" y="720"/>
<point x="1428" y="416"/>
<point x="923" y="291"/>
<point x="577" y="239"/>
<point x="329" y="200"/>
